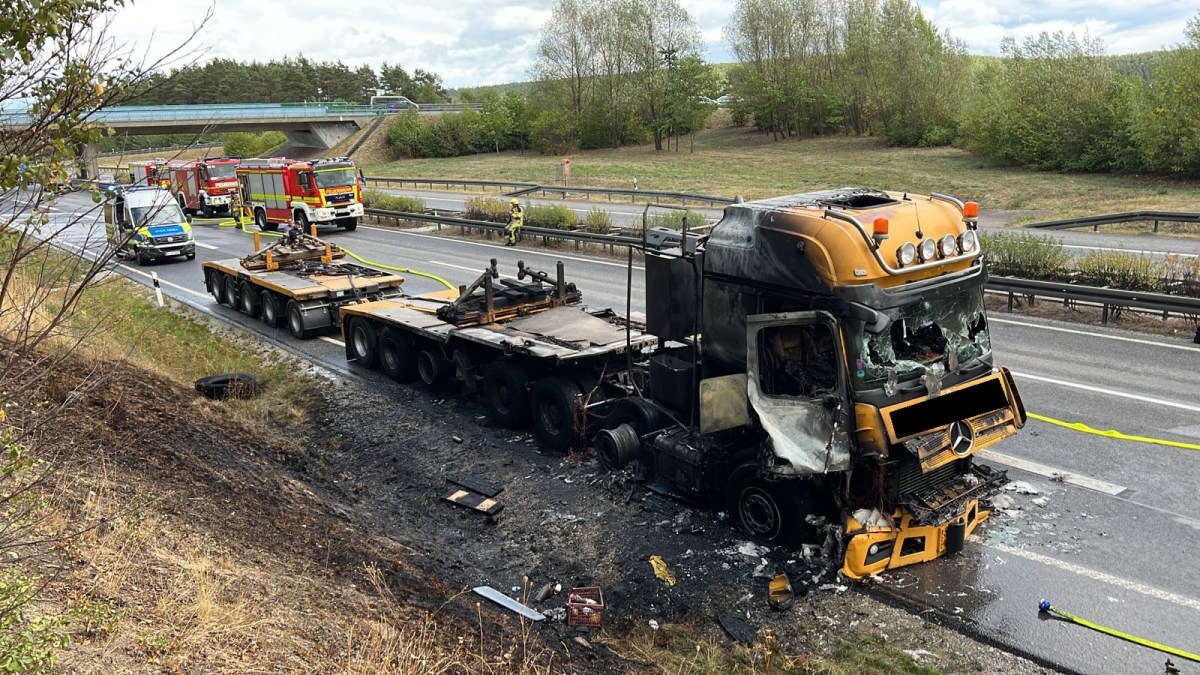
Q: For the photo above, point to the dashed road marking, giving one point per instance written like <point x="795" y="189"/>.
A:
<point x="523" y="251"/>
<point x="1048" y="471"/>
<point x="207" y="246"/>
<point x="333" y="340"/>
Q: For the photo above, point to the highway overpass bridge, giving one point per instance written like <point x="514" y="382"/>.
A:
<point x="314" y="125"/>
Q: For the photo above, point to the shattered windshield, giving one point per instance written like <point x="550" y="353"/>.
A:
<point x="933" y="335"/>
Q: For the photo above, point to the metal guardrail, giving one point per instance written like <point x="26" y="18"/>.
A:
<point x="1107" y="298"/>
<point x="520" y="188"/>
<point x="1128" y="217"/>
<point x="133" y="114"/>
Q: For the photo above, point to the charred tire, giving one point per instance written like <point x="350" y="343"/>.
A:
<point x="554" y="403"/>
<point x="295" y="321"/>
<point x="770" y="511"/>
<point x="617" y="447"/>
<point x="251" y="306"/>
<point x="260" y="219"/>
<point x="638" y="413"/>
<point x="272" y="309"/>
<point x="229" y="291"/>
<point x="363" y="342"/>
<point x="396" y="357"/>
<point x="231" y="385"/>
<point x="506" y="394"/>
<point x="432" y="367"/>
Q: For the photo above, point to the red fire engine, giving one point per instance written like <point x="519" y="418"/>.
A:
<point x="281" y="190"/>
<point x="153" y="173"/>
<point x="206" y="185"/>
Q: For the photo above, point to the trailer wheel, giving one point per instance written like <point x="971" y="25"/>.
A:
<point x="506" y="394"/>
<point x="363" y="342"/>
<point x="249" y="300"/>
<point x="771" y="511"/>
<point x="554" y="402"/>
<point x="212" y="280"/>
<point x="229" y="291"/>
<point x="432" y="367"/>
<point x="260" y="219"/>
<point x="396" y="358"/>
<point x="296" y="322"/>
<point x="272" y="315"/>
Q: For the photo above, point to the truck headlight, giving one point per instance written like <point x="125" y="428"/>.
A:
<point x="906" y="254"/>
<point x="968" y="241"/>
<point x="947" y="245"/>
<point x="928" y="250"/>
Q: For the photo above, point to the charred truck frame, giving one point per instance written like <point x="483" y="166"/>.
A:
<point x="817" y="354"/>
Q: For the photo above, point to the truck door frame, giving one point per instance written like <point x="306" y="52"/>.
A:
<point x="809" y="434"/>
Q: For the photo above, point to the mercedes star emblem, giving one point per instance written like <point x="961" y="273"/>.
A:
<point x="962" y="438"/>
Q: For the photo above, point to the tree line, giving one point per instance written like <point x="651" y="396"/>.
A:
<point x="286" y="80"/>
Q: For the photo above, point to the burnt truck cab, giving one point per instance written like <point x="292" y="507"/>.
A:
<point x="842" y="335"/>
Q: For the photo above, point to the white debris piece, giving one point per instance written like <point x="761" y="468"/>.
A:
<point x="752" y="550"/>
<point x="836" y="588"/>
<point x="653" y="624"/>
<point x="1002" y="502"/>
<point x="1041" y="501"/>
<point x="870" y="518"/>
<point x="917" y="654"/>
<point x="1022" y="488"/>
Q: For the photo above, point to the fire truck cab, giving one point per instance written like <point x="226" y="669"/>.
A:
<point x="153" y="173"/>
<point x="205" y="186"/>
<point x="280" y="190"/>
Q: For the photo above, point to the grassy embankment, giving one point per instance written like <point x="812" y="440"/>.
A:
<point x="729" y="161"/>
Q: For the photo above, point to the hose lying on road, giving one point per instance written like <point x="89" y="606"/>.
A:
<point x="230" y="222"/>
<point x="1112" y="433"/>
<point x="1045" y="607"/>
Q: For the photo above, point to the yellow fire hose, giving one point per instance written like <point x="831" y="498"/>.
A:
<point x="1045" y="607"/>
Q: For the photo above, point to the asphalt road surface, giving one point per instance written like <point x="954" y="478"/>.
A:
<point x="1116" y="542"/>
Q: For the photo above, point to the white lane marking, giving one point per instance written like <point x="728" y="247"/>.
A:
<point x="1048" y="471"/>
<point x="1111" y="392"/>
<point x="1127" y="584"/>
<point x="499" y="246"/>
<point x="461" y="267"/>
<point x="207" y="246"/>
<point x="1129" y="250"/>
<point x="333" y="340"/>
<point x="1152" y="343"/>
<point x="92" y="256"/>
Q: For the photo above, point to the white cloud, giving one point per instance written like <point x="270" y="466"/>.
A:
<point x="473" y="42"/>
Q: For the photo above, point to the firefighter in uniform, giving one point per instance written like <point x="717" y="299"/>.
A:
<point x="516" y="218"/>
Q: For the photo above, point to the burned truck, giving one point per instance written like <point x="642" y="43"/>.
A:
<point x="815" y="355"/>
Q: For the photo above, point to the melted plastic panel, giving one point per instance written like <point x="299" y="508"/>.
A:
<point x="926" y="338"/>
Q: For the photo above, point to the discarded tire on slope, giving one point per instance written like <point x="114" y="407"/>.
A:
<point x="229" y="385"/>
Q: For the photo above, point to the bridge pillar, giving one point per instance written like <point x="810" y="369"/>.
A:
<point x="89" y="161"/>
<point x="323" y="135"/>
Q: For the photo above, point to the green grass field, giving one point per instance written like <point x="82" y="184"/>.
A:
<point x="730" y="161"/>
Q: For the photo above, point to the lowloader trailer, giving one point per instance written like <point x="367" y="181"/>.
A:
<point x="300" y="284"/>
<point x="815" y="355"/>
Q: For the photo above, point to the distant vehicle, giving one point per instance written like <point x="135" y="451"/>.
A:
<point x="394" y="103"/>
<point x="725" y="100"/>
<point x="107" y="183"/>
<point x="205" y="186"/>
<point x="281" y="190"/>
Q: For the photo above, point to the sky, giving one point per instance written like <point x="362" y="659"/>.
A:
<point x="479" y="42"/>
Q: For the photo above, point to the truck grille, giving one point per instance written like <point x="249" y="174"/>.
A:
<point x="940" y="495"/>
<point x="910" y="479"/>
<point x="340" y="199"/>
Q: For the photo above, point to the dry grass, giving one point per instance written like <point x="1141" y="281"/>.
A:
<point x="729" y="161"/>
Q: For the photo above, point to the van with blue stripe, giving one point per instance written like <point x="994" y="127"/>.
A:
<point x="147" y="223"/>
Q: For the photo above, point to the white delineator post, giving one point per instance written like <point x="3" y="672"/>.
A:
<point x="157" y="289"/>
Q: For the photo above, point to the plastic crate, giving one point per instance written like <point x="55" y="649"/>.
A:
<point x="580" y="612"/>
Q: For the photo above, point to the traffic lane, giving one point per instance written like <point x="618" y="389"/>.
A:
<point x="1080" y="242"/>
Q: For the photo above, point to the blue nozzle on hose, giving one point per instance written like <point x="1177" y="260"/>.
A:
<point x="1044" y="605"/>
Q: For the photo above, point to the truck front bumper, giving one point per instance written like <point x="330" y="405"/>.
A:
<point x="915" y="533"/>
<point x="341" y="211"/>
<point x="167" y="251"/>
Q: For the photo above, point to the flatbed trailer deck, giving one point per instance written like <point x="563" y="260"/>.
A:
<point x="301" y="285"/>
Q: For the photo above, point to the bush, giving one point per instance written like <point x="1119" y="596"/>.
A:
<point x="555" y="217"/>
<point x="597" y="222"/>
<point x="1182" y="275"/>
<point x="242" y="144"/>
<point x="377" y="199"/>
<point x="1028" y="256"/>
<point x="408" y="134"/>
<point x="489" y="209"/>
<point x="1120" y="269"/>
<point x="673" y="220"/>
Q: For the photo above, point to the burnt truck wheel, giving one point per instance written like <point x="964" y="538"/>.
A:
<point x="771" y="511"/>
<point x="272" y="310"/>
<point x="554" y="402"/>
<point x="251" y="306"/>
<point x="506" y="394"/>
<point x="432" y="367"/>
<point x="396" y="357"/>
<point x="231" y="385"/>
<point x="617" y="447"/>
<point x="295" y="321"/>
<point x="363" y="342"/>
<point x="229" y="291"/>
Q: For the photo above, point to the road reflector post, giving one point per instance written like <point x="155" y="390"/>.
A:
<point x="257" y="242"/>
<point x="157" y="289"/>
<point x="313" y="227"/>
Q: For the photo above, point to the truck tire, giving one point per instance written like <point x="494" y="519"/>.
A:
<point x="272" y="309"/>
<point x="183" y="205"/>
<point x="142" y="260"/>
<point x="349" y="224"/>
<point x="396" y="357"/>
<point x="231" y="385"/>
<point x="295" y="321"/>
<point x="302" y="221"/>
<point x="554" y="403"/>
<point x="363" y="342"/>
<point x="638" y="413"/>
<point x="229" y="291"/>
<point x="260" y="219"/>
<point x="249" y="300"/>
<point x="432" y="367"/>
<point x="771" y="511"/>
<point x="506" y="394"/>
<point x="212" y="280"/>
